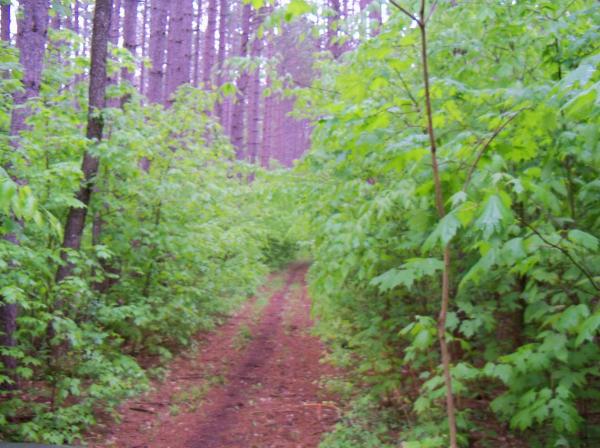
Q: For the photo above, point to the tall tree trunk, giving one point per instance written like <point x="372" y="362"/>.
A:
<point x="97" y="101"/>
<point x="267" y="132"/>
<point x="158" y="46"/>
<point x="255" y="91"/>
<point x="130" y="34"/>
<point x="144" y="53"/>
<point x="209" y="43"/>
<point x="113" y="39"/>
<point x="179" y="47"/>
<point x="237" y="118"/>
<point x="5" y="22"/>
<point x="197" y="43"/>
<point x="223" y="18"/>
<point x="32" y="30"/>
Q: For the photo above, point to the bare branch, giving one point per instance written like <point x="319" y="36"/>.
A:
<point x="486" y="146"/>
<point x="565" y="252"/>
<point x="405" y="11"/>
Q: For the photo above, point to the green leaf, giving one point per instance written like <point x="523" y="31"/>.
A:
<point x="583" y="239"/>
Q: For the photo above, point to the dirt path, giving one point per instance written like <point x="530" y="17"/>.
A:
<point x="253" y="384"/>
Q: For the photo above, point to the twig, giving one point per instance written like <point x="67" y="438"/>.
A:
<point x="565" y="252"/>
<point x="486" y="145"/>
<point x="393" y="2"/>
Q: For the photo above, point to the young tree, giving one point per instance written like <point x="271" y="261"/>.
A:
<point x="76" y="216"/>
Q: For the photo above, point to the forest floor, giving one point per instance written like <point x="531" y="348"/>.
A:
<point x="253" y="383"/>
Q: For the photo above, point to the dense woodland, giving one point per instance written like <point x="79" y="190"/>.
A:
<point x="437" y="161"/>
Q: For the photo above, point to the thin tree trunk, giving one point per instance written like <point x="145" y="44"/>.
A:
<point x="197" y="42"/>
<point x="439" y="203"/>
<point x="223" y="17"/>
<point x="97" y="102"/>
<point x="142" y="88"/>
<point x="114" y="32"/>
<point x="267" y="133"/>
<point x="237" y="119"/>
<point x="158" y="45"/>
<point x="255" y="92"/>
<point x="209" y="43"/>
<point x="5" y="22"/>
<point x="130" y="34"/>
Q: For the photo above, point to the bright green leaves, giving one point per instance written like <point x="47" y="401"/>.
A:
<point x="295" y="9"/>
<point x="413" y="270"/>
<point x="494" y="216"/>
<point x="583" y="239"/>
<point x="444" y="232"/>
<point x="421" y="333"/>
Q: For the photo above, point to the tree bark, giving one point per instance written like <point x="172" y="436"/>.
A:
<point x="142" y="88"/>
<point x="223" y="19"/>
<point x="158" y="45"/>
<point x="179" y="46"/>
<point x="237" y="118"/>
<point x="439" y="203"/>
<point x="113" y="38"/>
<point x="255" y="91"/>
<point x="5" y="22"/>
<point x="130" y="34"/>
<point x="97" y="102"/>
<point x="197" y="43"/>
<point x="209" y="44"/>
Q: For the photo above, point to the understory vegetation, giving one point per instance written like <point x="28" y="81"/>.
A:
<point x="515" y="107"/>
<point x="168" y="251"/>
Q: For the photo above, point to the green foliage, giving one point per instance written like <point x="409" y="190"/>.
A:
<point x="515" y="107"/>
<point x="166" y="252"/>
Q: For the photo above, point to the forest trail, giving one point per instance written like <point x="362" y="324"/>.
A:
<point x="252" y="383"/>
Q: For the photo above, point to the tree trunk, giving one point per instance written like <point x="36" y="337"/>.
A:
<point x="114" y="32"/>
<point x="209" y="43"/>
<point x="179" y="47"/>
<point x="197" y="43"/>
<point x="130" y="34"/>
<point x="143" y="39"/>
<point x="158" y="45"/>
<point x="223" y="18"/>
<point x="237" y="118"/>
<point x="255" y="92"/>
<point x="32" y="30"/>
<point x="5" y="22"/>
<point x="97" y="101"/>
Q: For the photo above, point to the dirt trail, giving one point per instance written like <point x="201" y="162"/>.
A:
<point x="254" y="384"/>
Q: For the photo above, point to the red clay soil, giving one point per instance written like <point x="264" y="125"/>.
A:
<point x="253" y="384"/>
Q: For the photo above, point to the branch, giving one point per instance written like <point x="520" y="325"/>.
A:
<point x="486" y="146"/>
<point x="565" y="252"/>
<point x="405" y="11"/>
<point x="431" y="11"/>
